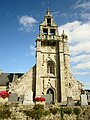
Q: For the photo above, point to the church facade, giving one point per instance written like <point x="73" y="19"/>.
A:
<point x="51" y="73"/>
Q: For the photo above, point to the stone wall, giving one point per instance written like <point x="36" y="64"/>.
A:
<point x="24" y="83"/>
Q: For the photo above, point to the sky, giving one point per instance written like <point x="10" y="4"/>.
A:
<point x="19" y="26"/>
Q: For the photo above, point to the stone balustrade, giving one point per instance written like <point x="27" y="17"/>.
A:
<point x="48" y="37"/>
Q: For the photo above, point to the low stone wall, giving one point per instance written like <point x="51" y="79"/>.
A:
<point x="16" y="111"/>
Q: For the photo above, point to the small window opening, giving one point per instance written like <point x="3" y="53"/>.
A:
<point x="48" y="43"/>
<point x="44" y="43"/>
<point x="45" y="31"/>
<point x="69" y="84"/>
<point x="50" y="67"/>
<point x="53" y="43"/>
<point x="48" y="21"/>
<point x="52" y="31"/>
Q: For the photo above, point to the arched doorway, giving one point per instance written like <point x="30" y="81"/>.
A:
<point x="50" y="94"/>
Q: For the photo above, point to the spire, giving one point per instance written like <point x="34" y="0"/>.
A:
<point x="63" y="32"/>
<point x="48" y="11"/>
<point x="64" y="35"/>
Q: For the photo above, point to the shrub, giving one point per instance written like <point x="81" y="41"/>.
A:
<point x="30" y="113"/>
<point x="68" y="110"/>
<point x="37" y="112"/>
<point x="77" y="111"/>
<point x="34" y="114"/>
<point x="5" y="112"/>
<point x="62" y="112"/>
<point x="53" y="110"/>
<point x="38" y="106"/>
<point x="46" y="112"/>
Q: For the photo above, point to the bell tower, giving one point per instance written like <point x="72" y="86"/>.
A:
<point x="51" y="76"/>
<point x="52" y="60"/>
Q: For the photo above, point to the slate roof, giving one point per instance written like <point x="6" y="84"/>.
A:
<point x="88" y="90"/>
<point x="5" y="78"/>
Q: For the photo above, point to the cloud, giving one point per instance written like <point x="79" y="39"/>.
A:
<point x="69" y="28"/>
<point x="27" y="22"/>
<point x="80" y="48"/>
<point x="83" y="4"/>
<point x="64" y="15"/>
<point x="85" y="16"/>
<point x="55" y="14"/>
<point x="82" y="66"/>
<point x="88" y="84"/>
<point x="79" y="41"/>
<point x="32" y="50"/>
<point x="78" y="34"/>
<point x="81" y="73"/>
<point x="81" y="10"/>
<point x="80" y="58"/>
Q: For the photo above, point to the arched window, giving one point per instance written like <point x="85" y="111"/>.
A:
<point x="50" y="67"/>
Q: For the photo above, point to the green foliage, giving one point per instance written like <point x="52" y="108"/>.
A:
<point x="46" y="112"/>
<point x="77" y="111"/>
<point x="37" y="112"/>
<point x="38" y="106"/>
<point x="5" y="112"/>
<point x="68" y="110"/>
<point x="53" y="110"/>
<point x="62" y="112"/>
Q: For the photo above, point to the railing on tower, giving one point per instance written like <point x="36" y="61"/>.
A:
<point x="48" y="37"/>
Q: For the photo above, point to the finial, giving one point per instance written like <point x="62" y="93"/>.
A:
<point x="63" y="31"/>
<point x="64" y="35"/>
<point x="48" y="11"/>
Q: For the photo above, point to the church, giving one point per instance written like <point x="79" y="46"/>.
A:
<point x="51" y="74"/>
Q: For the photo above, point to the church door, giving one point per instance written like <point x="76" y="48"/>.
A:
<point x="50" y="96"/>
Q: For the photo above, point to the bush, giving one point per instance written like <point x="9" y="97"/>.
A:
<point x="5" y="111"/>
<point x="62" y="112"/>
<point x="5" y="114"/>
<point x="53" y="110"/>
<point x="34" y="114"/>
<point x="77" y="111"/>
<point x="68" y="110"/>
<point x="37" y="112"/>
<point x="46" y="112"/>
<point x="38" y="106"/>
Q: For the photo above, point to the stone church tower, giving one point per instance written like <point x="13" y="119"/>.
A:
<point x="50" y="59"/>
<point x="51" y="74"/>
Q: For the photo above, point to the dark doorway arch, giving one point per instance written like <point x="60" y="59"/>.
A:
<point x="51" y="93"/>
